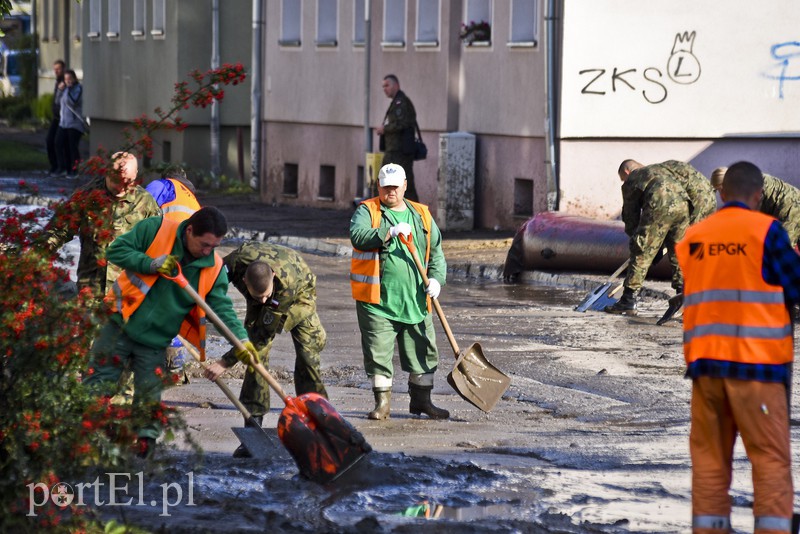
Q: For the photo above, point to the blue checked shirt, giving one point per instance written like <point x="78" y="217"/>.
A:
<point x="780" y="266"/>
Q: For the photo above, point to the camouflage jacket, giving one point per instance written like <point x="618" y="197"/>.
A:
<point x="398" y="125"/>
<point x="636" y="195"/>
<point x="782" y="201"/>
<point x="702" y="200"/>
<point x="294" y="292"/>
<point x="97" y="218"/>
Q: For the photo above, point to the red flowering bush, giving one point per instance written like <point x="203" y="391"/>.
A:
<point x="51" y="427"/>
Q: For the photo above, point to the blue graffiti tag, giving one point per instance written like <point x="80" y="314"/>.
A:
<point x="784" y="53"/>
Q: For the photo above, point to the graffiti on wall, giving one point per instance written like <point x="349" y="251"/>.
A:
<point x="682" y="68"/>
<point x="784" y="54"/>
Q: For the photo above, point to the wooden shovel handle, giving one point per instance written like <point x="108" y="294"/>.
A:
<point x="222" y="385"/>
<point x="439" y="311"/>
<point x="225" y="331"/>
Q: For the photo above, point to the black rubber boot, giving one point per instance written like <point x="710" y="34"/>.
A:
<point x="626" y="305"/>
<point x="382" y="398"/>
<point x="241" y="451"/>
<point x="421" y="402"/>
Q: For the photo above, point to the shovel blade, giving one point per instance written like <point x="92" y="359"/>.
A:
<point x="260" y="442"/>
<point x="599" y="293"/>
<point x="476" y="380"/>
<point x="322" y="443"/>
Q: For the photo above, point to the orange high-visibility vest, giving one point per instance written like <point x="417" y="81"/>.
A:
<point x="730" y="312"/>
<point x="365" y="269"/>
<point x="130" y="289"/>
<point x="184" y="204"/>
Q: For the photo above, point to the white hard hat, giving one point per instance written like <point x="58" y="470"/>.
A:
<point x="391" y="174"/>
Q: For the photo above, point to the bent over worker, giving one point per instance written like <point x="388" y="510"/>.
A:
<point x="741" y="276"/>
<point x="779" y="199"/>
<point x="281" y="295"/>
<point x="149" y="310"/>
<point x="655" y="210"/>
<point x="391" y="302"/>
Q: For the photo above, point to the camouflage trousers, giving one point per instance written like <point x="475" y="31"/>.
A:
<point x="706" y="205"/>
<point x="662" y="226"/>
<point x="309" y="340"/>
<point x="407" y="162"/>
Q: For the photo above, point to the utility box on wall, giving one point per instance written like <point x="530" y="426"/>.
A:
<point x="456" y="181"/>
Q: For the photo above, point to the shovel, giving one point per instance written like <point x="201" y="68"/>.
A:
<point x="477" y="381"/>
<point x="254" y="438"/>
<point x="324" y="446"/>
<point x="602" y="295"/>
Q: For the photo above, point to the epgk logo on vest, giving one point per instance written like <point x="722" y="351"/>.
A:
<point x="699" y="250"/>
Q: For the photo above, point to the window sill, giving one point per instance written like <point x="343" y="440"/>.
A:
<point x="157" y="34"/>
<point x="138" y="33"/>
<point x="289" y="43"/>
<point x="359" y="44"/>
<point x="94" y="36"/>
<point x="325" y="199"/>
<point x="289" y="195"/>
<point x="426" y="44"/>
<point x="112" y="36"/>
<point x="393" y="44"/>
<point x="326" y="44"/>
<point x="522" y="44"/>
<point x="478" y="44"/>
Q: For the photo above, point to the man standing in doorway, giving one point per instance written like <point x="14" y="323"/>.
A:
<point x="397" y="132"/>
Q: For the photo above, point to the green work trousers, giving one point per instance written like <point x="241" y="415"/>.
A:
<point x="416" y="344"/>
<point x="309" y="339"/>
<point x="111" y="352"/>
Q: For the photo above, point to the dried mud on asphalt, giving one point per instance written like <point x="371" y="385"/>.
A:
<point x="592" y="435"/>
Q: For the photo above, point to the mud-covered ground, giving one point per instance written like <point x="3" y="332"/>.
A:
<point x="591" y="436"/>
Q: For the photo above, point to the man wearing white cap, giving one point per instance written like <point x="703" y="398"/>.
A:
<point x="391" y="301"/>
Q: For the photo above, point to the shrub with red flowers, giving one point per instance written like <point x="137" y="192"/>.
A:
<point x="51" y="427"/>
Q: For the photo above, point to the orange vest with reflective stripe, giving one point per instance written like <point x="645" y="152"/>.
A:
<point x="184" y="204"/>
<point x="130" y="289"/>
<point x="730" y="312"/>
<point x="365" y="268"/>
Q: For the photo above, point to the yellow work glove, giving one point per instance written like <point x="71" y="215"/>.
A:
<point x="247" y="354"/>
<point x="164" y="264"/>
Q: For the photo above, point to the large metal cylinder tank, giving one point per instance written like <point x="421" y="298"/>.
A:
<point x="559" y="241"/>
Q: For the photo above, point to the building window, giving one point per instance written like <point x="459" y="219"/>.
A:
<point x="523" y="23"/>
<point x="95" y="19"/>
<point x="290" y="180"/>
<point x="427" y="23"/>
<point x="327" y="23"/>
<point x="53" y="19"/>
<point x="113" y="19"/>
<point x="478" y="15"/>
<point x="394" y="23"/>
<point x="45" y="21"/>
<point x="359" y="24"/>
<point x="327" y="182"/>
<point x="523" y="197"/>
<point x="76" y="10"/>
<point x="139" y="18"/>
<point x="159" y="18"/>
<point x="291" y="22"/>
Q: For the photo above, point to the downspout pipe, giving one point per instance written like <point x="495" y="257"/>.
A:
<point x="551" y="111"/>
<point x="256" y="76"/>
<point x="367" y="129"/>
<point x="215" y="159"/>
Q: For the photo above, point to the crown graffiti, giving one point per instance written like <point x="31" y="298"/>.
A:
<point x="683" y="42"/>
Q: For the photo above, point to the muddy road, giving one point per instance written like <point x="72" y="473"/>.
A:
<point x="592" y="435"/>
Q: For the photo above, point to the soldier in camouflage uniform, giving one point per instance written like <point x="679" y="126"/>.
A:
<point x="285" y="301"/>
<point x="98" y="212"/>
<point x="655" y="210"/>
<point x="397" y="132"/>
<point x="779" y="200"/>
